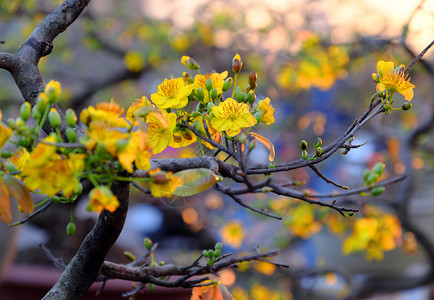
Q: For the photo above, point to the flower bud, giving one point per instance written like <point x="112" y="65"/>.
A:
<point x="25" y="111"/>
<point x="217" y="252"/>
<point x="318" y="142"/>
<point x="52" y="90"/>
<point x="318" y="152"/>
<point x="10" y="167"/>
<point x="304" y="154"/>
<point x="252" y="144"/>
<point x="190" y="63"/>
<point x="252" y="78"/>
<point x="200" y="94"/>
<point x="380" y="94"/>
<point x="5" y="154"/>
<point x="70" y="229"/>
<point x="54" y="118"/>
<point x="208" y="84"/>
<point x="71" y="117"/>
<point x="372" y="178"/>
<point x="147" y="243"/>
<point x="11" y="123"/>
<point x="376" y="77"/>
<point x="303" y="145"/>
<point x="239" y="94"/>
<point x="71" y="135"/>
<point x="205" y="253"/>
<point x="251" y="97"/>
<point x="258" y="115"/>
<point x="85" y="117"/>
<point x="121" y="144"/>
<point x="377" y="191"/>
<point x="214" y="94"/>
<point x="218" y="246"/>
<point x="366" y="174"/>
<point x="210" y="253"/>
<point x="227" y="84"/>
<point x="378" y="168"/>
<point x="406" y="106"/>
<point x="237" y="64"/>
<point x="41" y="103"/>
<point x="78" y="189"/>
<point x="187" y="77"/>
<point x="209" y="106"/>
<point x="272" y="165"/>
<point x="243" y="139"/>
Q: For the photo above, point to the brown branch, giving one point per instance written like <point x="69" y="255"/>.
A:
<point x="326" y="179"/>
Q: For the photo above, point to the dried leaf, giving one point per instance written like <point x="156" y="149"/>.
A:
<point x="5" y="204"/>
<point x="211" y="292"/>
<point x="266" y="143"/>
<point x="195" y="181"/>
<point x="19" y="192"/>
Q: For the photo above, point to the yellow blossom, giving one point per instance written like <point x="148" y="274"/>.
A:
<point x="100" y="133"/>
<point x="52" y="91"/>
<point x="107" y="112"/>
<point x="216" y="136"/>
<point x="267" y="110"/>
<point x="395" y="80"/>
<point x="182" y="137"/>
<point x="301" y="222"/>
<point x="232" y="233"/>
<point x="20" y="159"/>
<point x="57" y="174"/>
<point x="101" y="198"/>
<point x="231" y="116"/>
<point x="5" y="133"/>
<point x="43" y="152"/>
<point x="172" y="93"/>
<point x="218" y="80"/>
<point x="160" y="130"/>
<point x="137" y="150"/>
<point x="139" y="103"/>
<point x="163" y="184"/>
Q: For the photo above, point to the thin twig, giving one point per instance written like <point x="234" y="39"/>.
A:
<point x="326" y="179"/>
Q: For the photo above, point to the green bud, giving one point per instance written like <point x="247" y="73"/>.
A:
<point x="318" y="142"/>
<point x="35" y="113"/>
<point x="200" y="94"/>
<point x="304" y="154"/>
<point x="208" y="84"/>
<point x="303" y="145"/>
<point x="129" y="256"/>
<point x="205" y="253"/>
<point x="227" y="84"/>
<point x="243" y="139"/>
<point x="209" y="106"/>
<point x="272" y="165"/>
<point x="239" y="94"/>
<point x="258" y="115"/>
<point x="406" y="106"/>
<point x="380" y="94"/>
<point x="55" y="199"/>
<point x="10" y="167"/>
<point x="251" y="97"/>
<point x="214" y="94"/>
<point x="6" y="154"/>
<point x="376" y="78"/>
<point x="351" y="139"/>
<point x="218" y="246"/>
<point x="78" y="189"/>
<point x="71" y="117"/>
<point x="377" y="191"/>
<point x="366" y="174"/>
<point x="252" y="144"/>
<point x="318" y="152"/>
<point x="41" y="104"/>
<point x="217" y="253"/>
<point x="148" y="243"/>
<point x="25" y="111"/>
<point x="54" y="118"/>
<point x="71" y="135"/>
<point x="372" y="178"/>
<point x="70" y="229"/>
<point x="210" y="253"/>
<point x="378" y="168"/>
<point x="253" y="76"/>
<point x="121" y="144"/>
<point x="11" y="123"/>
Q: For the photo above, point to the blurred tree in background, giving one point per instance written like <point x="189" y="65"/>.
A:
<point x="314" y="59"/>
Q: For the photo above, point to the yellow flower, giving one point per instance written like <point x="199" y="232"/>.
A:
<point x="182" y="137"/>
<point x="57" y="174"/>
<point x="5" y="133"/>
<point x="301" y="222"/>
<point x="100" y="133"/>
<point x="394" y="79"/>
<point x="107" y="112"/>
<point x="172" y="93"/>
<point x="43" y="152"/>
<point x="163" y="184"/>
<point x="218" y="80"/>
<point x="231" y="116"/>
<point x="139" y="103"/>
<point x="232" y="233"/>
<point x="216" y="136"/>
<point x="20" y="159"/>
<point x="134" y="61"/>
<point x="101" y="198"/>
<point x="137" y="150"/>
<point x="267" y="110"/>
<point x="52" y="91"/>
<point x="160" y="129"/>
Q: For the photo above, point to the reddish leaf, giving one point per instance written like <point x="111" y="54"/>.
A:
<point x="19" y="192"/>
<point x="266" y="143"/>
<point x="5" y="203"/>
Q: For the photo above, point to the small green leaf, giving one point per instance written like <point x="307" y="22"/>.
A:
<point x="129" y="256"/>
<point x="195" y="181"/>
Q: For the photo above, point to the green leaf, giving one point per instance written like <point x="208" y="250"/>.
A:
<point x="19" y="192"/>
<point x="195" y="181"/>
<point x="5" y="204"/>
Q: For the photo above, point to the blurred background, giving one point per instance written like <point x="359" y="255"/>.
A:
<point x="314" y="59"/>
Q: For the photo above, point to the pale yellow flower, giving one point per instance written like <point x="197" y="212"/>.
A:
<point x="267" y="110"/>
<point x="160" y="129"/>
<point x="101" y="198"/>
<point x="136" y="106"/>
<point x="107" y="112"/>
<point x="394" y="79"/>
<point x="232" y="233"/>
